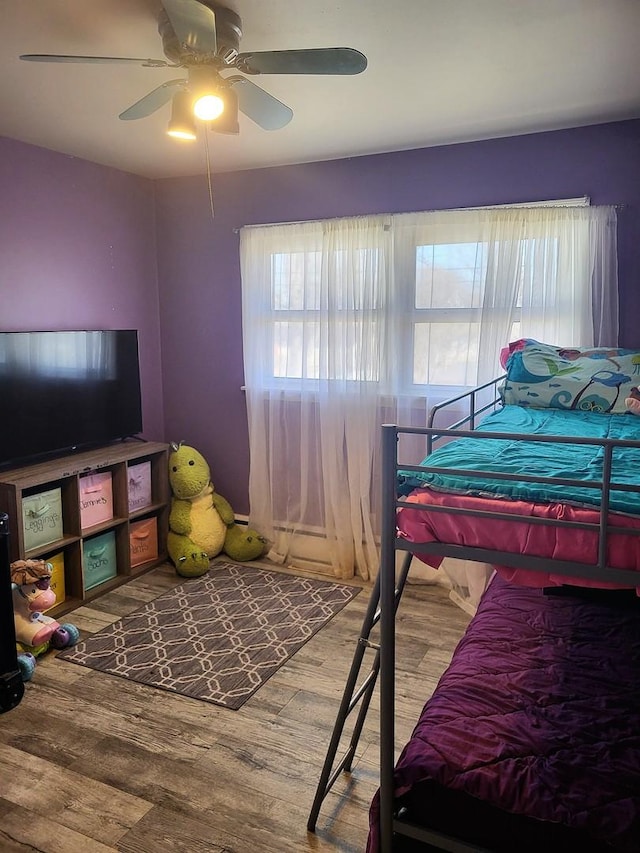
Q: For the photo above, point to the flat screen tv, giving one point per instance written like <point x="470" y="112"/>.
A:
<point x="67" y="390"/>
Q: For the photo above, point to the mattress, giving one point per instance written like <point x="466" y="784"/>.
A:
<point x="514" y="456"/>
<point x="522" y="499"/>
<point x="531" y="740"/>
<point x="519" y="536"/>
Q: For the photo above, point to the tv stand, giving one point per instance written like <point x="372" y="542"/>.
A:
<point x="69" y="548"/>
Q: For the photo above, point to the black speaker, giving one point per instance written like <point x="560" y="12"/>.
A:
<point x="11" y="684"/>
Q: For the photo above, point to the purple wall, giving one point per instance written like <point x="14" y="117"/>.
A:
<point x="78" y="251"/>
<point x="86" y="246"/>
<point x="199" y="276"/>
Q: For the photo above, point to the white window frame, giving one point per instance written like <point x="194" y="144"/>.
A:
<point x="412" y="315"/>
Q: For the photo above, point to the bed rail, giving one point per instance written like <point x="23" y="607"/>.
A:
<point x="471" y="399"/>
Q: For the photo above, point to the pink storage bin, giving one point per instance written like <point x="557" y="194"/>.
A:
<point x="96" y="498"/>
<point x="139" y="485"/>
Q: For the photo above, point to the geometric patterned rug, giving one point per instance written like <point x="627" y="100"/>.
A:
<point x="218" y="637"/>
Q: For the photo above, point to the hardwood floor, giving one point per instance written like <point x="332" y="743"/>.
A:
<point x="91" y="763"/>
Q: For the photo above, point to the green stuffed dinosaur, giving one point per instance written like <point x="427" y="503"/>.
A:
<point x="201" y="522"/>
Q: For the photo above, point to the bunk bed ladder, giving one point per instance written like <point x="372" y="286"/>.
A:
<point x="354" y="696"/>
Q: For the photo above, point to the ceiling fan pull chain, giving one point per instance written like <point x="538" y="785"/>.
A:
<point x="209" y="178"/>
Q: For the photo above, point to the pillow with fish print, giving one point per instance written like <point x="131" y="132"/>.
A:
<point x="587" y="379"/>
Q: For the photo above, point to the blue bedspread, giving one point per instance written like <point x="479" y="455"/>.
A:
<point x="572" y="461"/>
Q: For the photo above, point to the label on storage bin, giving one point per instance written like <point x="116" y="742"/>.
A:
<point x="99" y="559"/>
<point x="42" y="518"/>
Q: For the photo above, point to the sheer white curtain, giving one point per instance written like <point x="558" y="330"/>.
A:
<point x="569" y="275"/>
<point x="316" y="318"/>
<point x="354" y="322"/>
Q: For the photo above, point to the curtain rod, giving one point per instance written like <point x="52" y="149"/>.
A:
<point x="582" y="201"/>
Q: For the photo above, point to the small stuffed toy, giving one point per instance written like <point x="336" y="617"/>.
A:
<point x="35" y="631"/>
<point x="632" y="402"/>
<point x="201" y="522"/>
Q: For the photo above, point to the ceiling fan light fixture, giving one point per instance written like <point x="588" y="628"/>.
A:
<point x="208" y="107"/>
<point x="206" y="96"/>
<point x="203" y="37"/>
<point x="181" y="123"/>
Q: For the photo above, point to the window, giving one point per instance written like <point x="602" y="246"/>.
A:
<point x="442" y="314"/>
<point x="351" y="323"/>
<point x="342" y="300"/>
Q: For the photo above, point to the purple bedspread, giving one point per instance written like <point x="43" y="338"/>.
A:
<point x="538" y="715"/>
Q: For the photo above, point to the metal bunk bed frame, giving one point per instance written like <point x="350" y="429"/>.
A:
<point x="389" y="586"/>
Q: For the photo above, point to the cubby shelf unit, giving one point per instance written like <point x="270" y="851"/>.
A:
<point x="65" y="473"/>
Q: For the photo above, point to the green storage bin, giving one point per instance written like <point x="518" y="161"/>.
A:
<point x="42" y="518"/>
<point x="99" y="561"/>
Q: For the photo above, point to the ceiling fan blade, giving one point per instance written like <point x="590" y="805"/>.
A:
<point x="53" y="57"/>
<point x="153" y="100"/>
<point x="322" y="60"/>
<point x="193" y="23"/>
<point x="260" y="106"/>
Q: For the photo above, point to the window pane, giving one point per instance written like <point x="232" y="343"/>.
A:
<point x="540" y="271"/>
<point x="450" y="275"/>
<point x="350" y="354"/>
<point x="295" y="350"/>
<point x="353" y="351"/>
<point x="296" y="281"/>
<point x="355" y="276"/>
<point x="445" y="353"/>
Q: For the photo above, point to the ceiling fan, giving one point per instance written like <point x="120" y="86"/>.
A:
<point x="204" y="38"/>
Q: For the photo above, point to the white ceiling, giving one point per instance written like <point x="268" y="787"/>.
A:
<point x="439" y="71"/>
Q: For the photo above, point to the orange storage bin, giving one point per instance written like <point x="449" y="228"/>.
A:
<point x="143" y="541"/>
